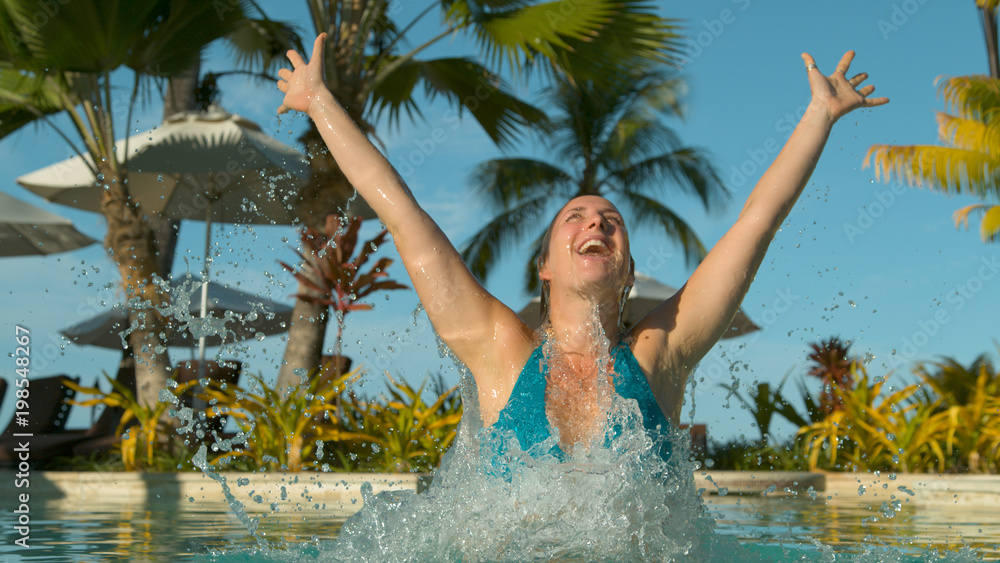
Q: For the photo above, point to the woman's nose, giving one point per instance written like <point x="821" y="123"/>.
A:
<point x="597" y="221"/>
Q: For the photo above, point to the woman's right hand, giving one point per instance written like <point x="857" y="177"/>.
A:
<point x="304" y="82"/>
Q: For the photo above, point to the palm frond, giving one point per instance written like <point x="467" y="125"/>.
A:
<point x="648" y="212"/>
<point x="181" y="31"/>
<point x="975" y="97"/>
<point x="502" y="232"/>
<point x="637" y="139"/>
<point x="583" y="38"/>
<point x="634" y="39"/>
<point x="510" y="30"/>
<point x="505" y="181"/>
<point x="969" y="134"/>
<point x="24" y="99"/>
<point x="468" y="85"/>
<point x="949" y="170"/>
<point x="686" y="168"/>
<point x="989" y="228"/>
<point x="259" y="45"/>
<point x="393" y="93"/>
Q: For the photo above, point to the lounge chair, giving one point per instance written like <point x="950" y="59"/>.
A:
<point x="47" y="411"/>
<point x="99" y="437"/>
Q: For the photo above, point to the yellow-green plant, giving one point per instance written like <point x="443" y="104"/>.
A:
<point x="152" y="431"/>
<point x="400" y="432"/>
<point x="280" y="433"/>
<point x="974" y="428"/>
<point x="873" y="431"/>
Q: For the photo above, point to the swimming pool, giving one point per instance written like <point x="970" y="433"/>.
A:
<point x="174" y="528"/>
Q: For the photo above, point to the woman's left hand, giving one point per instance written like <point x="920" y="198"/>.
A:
<point x="836" y="94"/>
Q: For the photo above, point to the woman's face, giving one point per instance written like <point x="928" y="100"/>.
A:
<point x="589" y="246"/>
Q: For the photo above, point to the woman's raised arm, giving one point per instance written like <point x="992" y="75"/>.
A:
<point x="682" y="330"/>
<point x="464" y="314"/>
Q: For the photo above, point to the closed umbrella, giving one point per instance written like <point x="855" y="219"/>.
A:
<point x="646" y="294"/>
<point x="232" y="315"/>
<point x="211" y="166"/>
<point x="27" y="230"/>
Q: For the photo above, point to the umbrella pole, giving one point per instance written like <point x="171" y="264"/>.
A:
<point x="204" y="287"/>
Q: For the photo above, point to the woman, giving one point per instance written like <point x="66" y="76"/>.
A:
<point x="586" y="269"/>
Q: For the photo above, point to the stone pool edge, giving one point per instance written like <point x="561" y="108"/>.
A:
<point x="340" y="493"/>
<point x="916" y="488"/>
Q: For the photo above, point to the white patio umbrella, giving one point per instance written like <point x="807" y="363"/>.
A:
<point x="232" y="315"/>
<point x="646" y="294"/>
<point x="27" y="230"/>
<point x="211" y="166"/>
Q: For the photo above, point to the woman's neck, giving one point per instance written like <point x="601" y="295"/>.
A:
<point x="577" y="324"/>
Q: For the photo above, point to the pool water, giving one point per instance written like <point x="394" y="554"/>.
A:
<point x="787" y="525"/>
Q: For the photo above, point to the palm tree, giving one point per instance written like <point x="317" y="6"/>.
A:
<point x="59" y="58"/>
<point x="373" y="75"/>
<point x="967" y="163"/>
<point x="607" y="140"/>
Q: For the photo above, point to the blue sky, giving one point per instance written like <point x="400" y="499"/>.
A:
<point x="879" y="264"/>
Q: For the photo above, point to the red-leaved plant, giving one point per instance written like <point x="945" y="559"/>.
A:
<point x="336" y="279"/>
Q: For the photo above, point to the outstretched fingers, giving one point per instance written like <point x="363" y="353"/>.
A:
<point x="810" y="61"/>
<point x="845" y="62"/>
<point x="870" y="102"/>
<point x="295" y="58"/>
<point x="317" y="52"/>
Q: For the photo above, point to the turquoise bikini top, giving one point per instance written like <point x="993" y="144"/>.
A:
<point x="524" y="414"/>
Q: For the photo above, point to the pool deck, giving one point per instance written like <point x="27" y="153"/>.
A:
<point x="340" y="493"/>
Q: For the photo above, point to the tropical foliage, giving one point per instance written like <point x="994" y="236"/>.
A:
<point x="311" y="429"/>
<point x="907" y="429"/>
<point x="608" y="140"/>
<point x="146" y="438"/>
<point x="279" y="433"/>
<point x="764" y="402"/>
<point x="946" y="419"/>
<point x="967" y="163"/>
<point x="400" y="432"/>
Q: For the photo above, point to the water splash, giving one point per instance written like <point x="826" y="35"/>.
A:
<point x="616" y="500"/>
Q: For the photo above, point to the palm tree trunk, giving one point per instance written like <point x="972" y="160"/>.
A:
<point x="989" y="19"/>
<point x="305" y="343"/>
<point x="327" y="191"/>
<point x="133" y="249"/>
